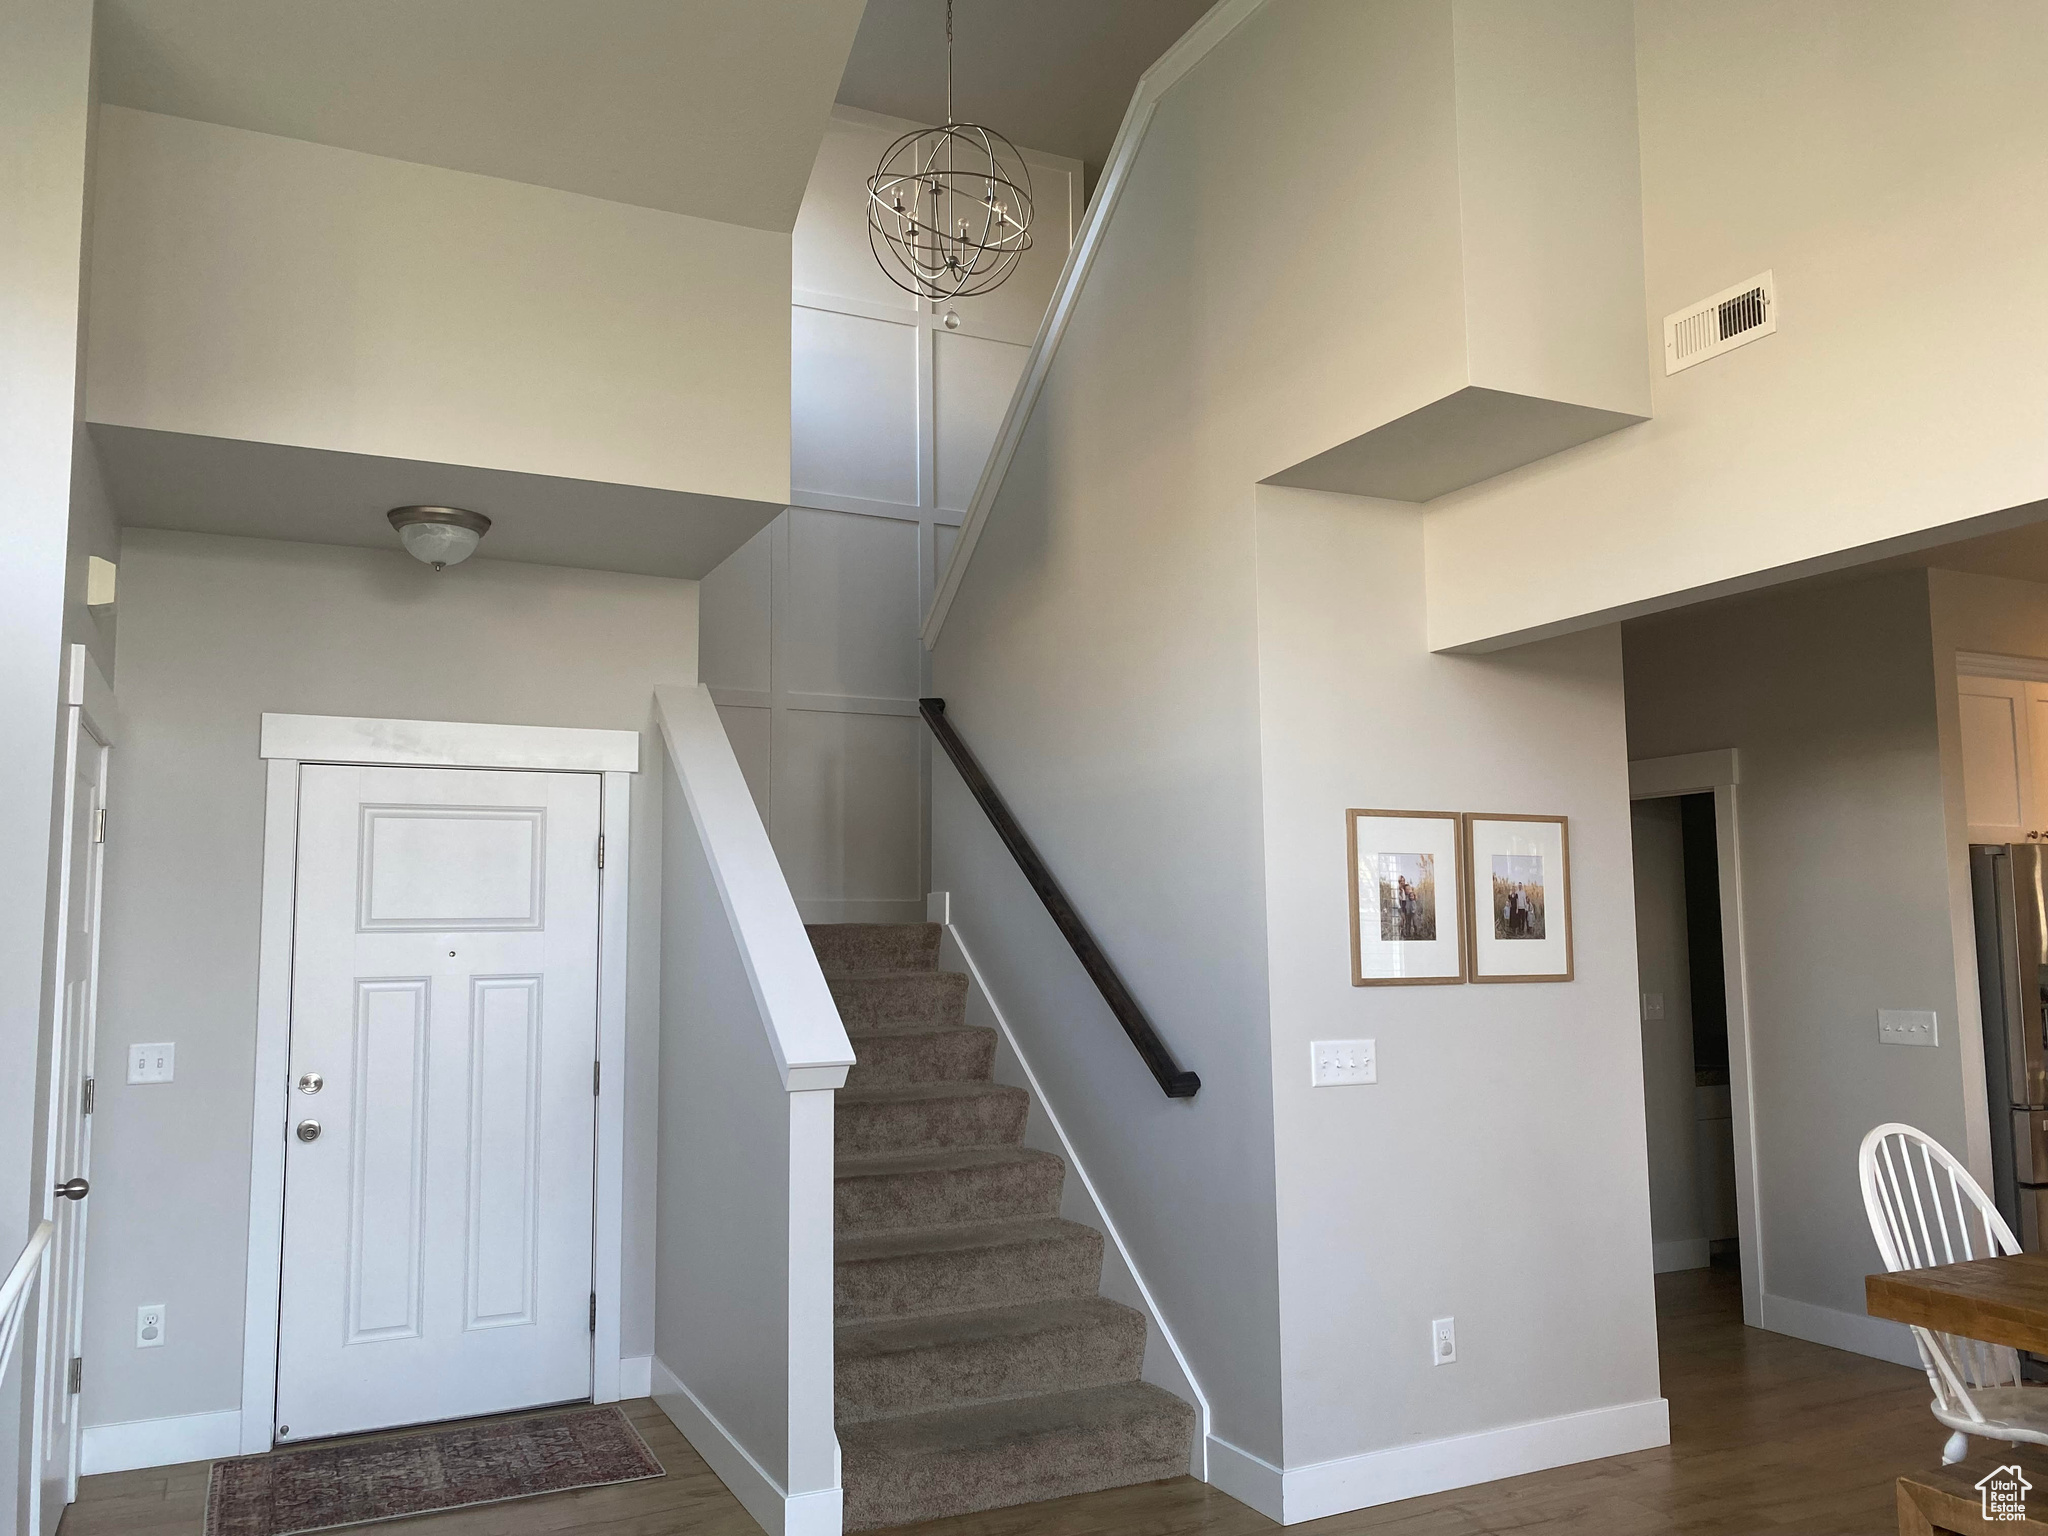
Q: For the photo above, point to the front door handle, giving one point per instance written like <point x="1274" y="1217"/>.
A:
<point x="73" y="1189"/>
<point x="309" y="1130"/>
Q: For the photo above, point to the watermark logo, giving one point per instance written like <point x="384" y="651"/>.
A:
<point x="2005" y="1493"/>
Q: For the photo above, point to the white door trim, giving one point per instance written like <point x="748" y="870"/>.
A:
<point x="425" y="744"/>
<point x="447" y="744"/>
<point x="1718" y="773"/>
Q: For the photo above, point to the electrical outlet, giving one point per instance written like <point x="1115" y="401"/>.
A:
<point x="1443" y="1341"/>
<point x="149" y="1325"/>
<point x="1333" y="1063"/>
<point x="1907" y="1026"/>
<point x="152" y="1063"/>
<point x="1653" y="1005"/>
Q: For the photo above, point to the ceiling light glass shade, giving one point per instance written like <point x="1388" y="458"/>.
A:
<point x="440" y="536"/>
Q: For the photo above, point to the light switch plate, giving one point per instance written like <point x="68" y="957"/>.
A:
<point x="152" y="1063"/>
<point x="1334" y="1063"/>
<point x="1653" y="1005"/>
<point x="1908" y="1026"/>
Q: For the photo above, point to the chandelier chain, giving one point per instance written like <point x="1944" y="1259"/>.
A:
<point x="949" y="209"/>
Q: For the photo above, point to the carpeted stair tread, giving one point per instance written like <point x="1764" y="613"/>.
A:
<point x="867" y="998"/>
<point x="905" y="1117"/>
<point x="947" y="1187"/>
<point x="923" y="1364"/>
<point x="960" y="1268"/>
<point x="923" y="1466"/>
<point x="875" y="946"/>
<point x="977" y="1364"/>
<point x="920" y="1051"/>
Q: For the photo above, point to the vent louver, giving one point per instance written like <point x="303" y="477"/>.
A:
<point x="1728" y="320"/>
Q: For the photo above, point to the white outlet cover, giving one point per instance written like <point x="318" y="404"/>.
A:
<point x="149" y="1325"/>
<point x="1337" y="1063"/>
<point x="1653" y="1005"/>
<point x="152" y="1063"/>
<point x="1443" y="1341"/>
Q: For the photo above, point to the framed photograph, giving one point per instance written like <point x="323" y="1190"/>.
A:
<point x="1521" y="911"/>
<point x="1407" y="898"/>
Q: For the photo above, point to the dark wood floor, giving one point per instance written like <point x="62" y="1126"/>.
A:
<point x="1769" y="1435"/>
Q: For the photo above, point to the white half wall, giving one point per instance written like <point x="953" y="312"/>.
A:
<point x="752" y="1050"/>
<point x="257" y="287"/>
<point x="218" y="631"/>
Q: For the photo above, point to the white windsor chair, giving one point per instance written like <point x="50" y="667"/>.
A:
<point x="1930" y="1213"/>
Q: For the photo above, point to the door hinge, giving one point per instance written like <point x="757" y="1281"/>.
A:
<point x="74" y="1379"/>
<point x="596" y="1078"/>
<point x="593" y="1311"/>
<point x="99" y="825"/>
<point x="600" y="850"/>
<point x="86" y="1108"/>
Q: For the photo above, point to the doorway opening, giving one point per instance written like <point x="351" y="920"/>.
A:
<point x="1689" y="1110"/>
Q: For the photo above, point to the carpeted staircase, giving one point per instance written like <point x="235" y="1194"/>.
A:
<point x="978" y="1366"/>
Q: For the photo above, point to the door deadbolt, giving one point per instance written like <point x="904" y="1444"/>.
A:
<point x="311" y="1082"/>
<point x="309" y="1130"/>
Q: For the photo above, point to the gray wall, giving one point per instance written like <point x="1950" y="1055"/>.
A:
<point x="1829" y="697"/>
<point x="1495" y="1171"/>
<point x="1110" y="657"/>
<point x="215" y="631"/>
<point x="1856" y="149"/>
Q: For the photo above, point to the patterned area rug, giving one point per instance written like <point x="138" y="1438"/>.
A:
<point x="322" y="1487"/>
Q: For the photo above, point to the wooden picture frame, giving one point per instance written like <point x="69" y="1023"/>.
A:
<point x="1412" y="861"/>
<point x="1522" y="929"/>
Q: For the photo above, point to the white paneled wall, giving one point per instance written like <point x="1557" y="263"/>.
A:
<point x="810" y="632"/>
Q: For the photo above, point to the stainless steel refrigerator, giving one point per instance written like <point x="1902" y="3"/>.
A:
<point x="2009" y="887"/>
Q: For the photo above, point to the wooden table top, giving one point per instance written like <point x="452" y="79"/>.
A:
<point x="2002" y="1301"/>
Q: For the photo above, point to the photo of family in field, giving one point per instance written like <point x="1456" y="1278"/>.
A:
<point x="1407" y="896"/>
<point x="1517" y="896"/>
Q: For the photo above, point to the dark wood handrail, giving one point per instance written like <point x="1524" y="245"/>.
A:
<point x="1178" y="1082"/>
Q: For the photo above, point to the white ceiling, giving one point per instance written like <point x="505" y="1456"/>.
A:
<point x="1051" y="75"/>
<point x="269" y="491"/>
<point x="706" y="107"/>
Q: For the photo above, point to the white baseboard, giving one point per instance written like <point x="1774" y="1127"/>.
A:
<point x="1681" y="1253"/>
<point x="1853" y="1331"/>
<point x="636" y="1376"/>
<point x="1247" y="1478"/>
<point x="159" y="1442"/>
<point x="1459" y="1461"/>
<point x="819" y="1513"/>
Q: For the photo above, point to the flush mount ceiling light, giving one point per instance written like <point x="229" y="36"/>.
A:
<point x="949" y="209"/>
<point x="441" y="536"/>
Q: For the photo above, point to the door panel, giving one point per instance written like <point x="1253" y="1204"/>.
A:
<point x="69" y="1148"/>
<point x="444" y="995"/>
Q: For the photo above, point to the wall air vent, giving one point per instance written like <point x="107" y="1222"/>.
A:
<point x="1720" y="324"/>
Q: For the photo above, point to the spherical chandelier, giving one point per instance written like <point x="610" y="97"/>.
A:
<point x="949" y="209"/>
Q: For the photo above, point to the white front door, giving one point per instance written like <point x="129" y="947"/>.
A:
<point x="439" y="1158"/>
<point x="68" y="1151"/>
